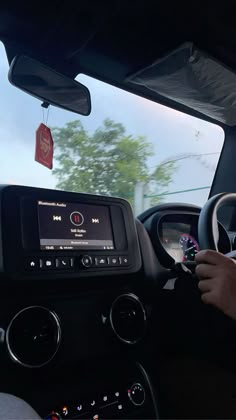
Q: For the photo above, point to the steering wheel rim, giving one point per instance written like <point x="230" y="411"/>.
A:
<point x="208" y="230"/>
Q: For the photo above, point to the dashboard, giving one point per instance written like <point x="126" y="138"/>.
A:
<point x="63" y="235"/>
<point x="71" y="304"/>
<point x="80" y="293"/>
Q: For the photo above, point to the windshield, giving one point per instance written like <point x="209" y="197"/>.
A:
<point x="128" y="147"/>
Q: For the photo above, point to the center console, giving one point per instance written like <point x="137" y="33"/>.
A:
<point x="124" y="392"/>
<point x="72" y="345"/>
<point x="59" y="234"/>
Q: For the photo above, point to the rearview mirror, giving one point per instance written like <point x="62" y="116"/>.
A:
<point x="48" y="85"/>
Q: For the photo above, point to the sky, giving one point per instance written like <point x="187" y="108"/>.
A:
<point x="173" y="134"/>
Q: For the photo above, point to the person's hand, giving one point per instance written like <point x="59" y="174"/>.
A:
<point x="217" y="274"/>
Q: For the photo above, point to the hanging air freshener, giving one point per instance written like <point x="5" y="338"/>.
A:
<point x="44" y="144"/>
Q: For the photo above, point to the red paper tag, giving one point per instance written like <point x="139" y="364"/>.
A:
<point x="44" y="146"/>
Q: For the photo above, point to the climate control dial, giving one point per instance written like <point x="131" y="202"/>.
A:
<point x="136" y="394"/>
<point x="53" y="416"/>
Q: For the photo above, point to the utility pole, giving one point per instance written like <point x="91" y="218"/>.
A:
<point x="141" y="197"/>
<point x="138" y="198"/>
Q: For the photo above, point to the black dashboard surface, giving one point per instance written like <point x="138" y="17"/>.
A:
<point x="57" y="332"/>
<point x="95" y="359"/>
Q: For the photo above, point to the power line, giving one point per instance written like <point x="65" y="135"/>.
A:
<point x="176" y="192"/>
<point x="183" y="157"/>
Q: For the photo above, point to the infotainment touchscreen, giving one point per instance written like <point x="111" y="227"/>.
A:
<point x="70" y="226"/>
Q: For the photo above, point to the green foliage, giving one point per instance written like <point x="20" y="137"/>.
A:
<point x="106" y="162"/>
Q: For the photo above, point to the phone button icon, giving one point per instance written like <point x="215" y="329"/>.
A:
<point x="64" y="263"/>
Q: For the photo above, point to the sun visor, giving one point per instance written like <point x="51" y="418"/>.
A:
<point x="193" y="78"/>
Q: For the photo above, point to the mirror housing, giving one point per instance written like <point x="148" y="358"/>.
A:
<point x="48" y="85"/>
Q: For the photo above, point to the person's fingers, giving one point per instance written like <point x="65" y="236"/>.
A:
<point x="210" y="257"/>
<point x="206" y="271"/>
<point x="206" y="285"/>
<point x="209" y="298"/>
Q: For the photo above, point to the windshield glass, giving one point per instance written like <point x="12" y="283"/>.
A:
<point x="128" y="147"/>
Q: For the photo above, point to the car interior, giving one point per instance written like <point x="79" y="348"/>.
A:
<point x="100" y="312"/>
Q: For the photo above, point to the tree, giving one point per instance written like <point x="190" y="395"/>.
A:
<point x="108" y="161"/>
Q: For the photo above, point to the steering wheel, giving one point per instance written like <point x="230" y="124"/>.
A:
<point x="208" y="228"/>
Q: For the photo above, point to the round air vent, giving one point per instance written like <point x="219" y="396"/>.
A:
<point x="128" y="318"/>
<point x="33" y="336"/>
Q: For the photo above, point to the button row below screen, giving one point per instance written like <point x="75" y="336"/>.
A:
<point x="67" y="263"/>
<point x="111" y="261"/>
<point x="47" y="263"/>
